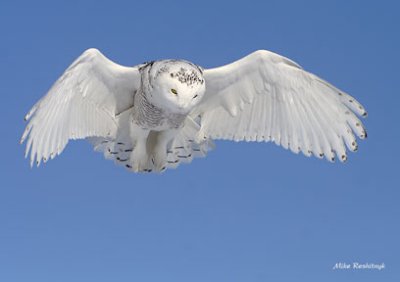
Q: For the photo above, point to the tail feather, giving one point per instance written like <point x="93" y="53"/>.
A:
<point x="182" y="149"/>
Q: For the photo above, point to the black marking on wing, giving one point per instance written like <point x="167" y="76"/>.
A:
<point x="111" y="152"/>
<point x="184" y="157"/>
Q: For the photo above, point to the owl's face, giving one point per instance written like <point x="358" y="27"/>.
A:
<point x="176" y="86"/>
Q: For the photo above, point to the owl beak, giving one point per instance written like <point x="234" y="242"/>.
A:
<point x="183" y="108"/>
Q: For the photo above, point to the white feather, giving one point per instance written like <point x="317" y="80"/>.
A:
<point x="82" y="103"/>
<point x="267" y="97"/>
<point x="261" y="97"/>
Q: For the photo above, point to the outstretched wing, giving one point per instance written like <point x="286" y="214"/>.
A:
<point x="82" y="103"/>
<point x="267" y="97"/>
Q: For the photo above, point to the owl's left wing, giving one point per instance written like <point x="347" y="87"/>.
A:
<point x="267" y="97"/>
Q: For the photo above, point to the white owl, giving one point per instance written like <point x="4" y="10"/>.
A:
<point x="156" y="115"/>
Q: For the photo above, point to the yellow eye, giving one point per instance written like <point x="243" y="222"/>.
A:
<point x="174" y="91"/>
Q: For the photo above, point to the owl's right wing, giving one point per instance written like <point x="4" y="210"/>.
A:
<point x="83" y="102"/>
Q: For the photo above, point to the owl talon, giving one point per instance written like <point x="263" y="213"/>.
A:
<point x="139" y="158"/>
<point x="158" y="160"/>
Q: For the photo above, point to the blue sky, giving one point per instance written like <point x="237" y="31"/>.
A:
<point x="247" y="212"/>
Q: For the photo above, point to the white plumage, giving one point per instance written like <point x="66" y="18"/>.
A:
<point x="153" y="116"/>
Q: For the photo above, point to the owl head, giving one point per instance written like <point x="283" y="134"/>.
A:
<point x="174" y="85"/>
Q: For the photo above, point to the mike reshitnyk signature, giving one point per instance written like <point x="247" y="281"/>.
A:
<point x="357" y="265"/>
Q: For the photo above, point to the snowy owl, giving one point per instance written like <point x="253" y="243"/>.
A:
<point x="154" y="116"/>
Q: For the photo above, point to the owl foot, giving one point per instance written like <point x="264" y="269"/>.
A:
<point x="159" y="153"/>
<point x="140" y="158"/>
<point x="159" y="159"/>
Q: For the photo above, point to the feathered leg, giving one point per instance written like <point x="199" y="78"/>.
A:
<point x="159" y="153"/>
<point x="139" y="153"/>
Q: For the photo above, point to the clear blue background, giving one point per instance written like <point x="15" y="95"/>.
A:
<point x="247" y="212"/>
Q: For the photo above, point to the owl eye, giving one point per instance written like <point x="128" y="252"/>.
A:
<point x="174" y="91"/>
